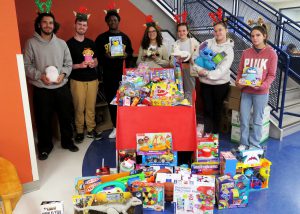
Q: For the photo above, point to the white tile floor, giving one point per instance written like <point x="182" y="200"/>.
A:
<point x="57" y="175"/>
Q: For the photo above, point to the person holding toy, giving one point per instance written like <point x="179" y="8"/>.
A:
<point x="111" y="65"/>
<point x="42" y="51"/>
<point x="259" y="57"/>
<point x="212" y="64"/>
<point x="152" y="50"/>
<point x="187" y="46"/>
<point x="84" y="77"/>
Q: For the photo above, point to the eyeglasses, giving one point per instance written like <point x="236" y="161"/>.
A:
<point x="153" y="31"/>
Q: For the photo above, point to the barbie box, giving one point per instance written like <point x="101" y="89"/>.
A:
<point x="153" y="143"/>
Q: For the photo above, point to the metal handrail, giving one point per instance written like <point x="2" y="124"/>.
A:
<point x="236" y="24"/>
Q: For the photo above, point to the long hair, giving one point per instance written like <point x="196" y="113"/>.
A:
<point x="38" y="20"/>
<point x="146" y="40"/>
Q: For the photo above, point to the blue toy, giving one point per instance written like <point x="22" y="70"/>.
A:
<point x="207" y="58"/>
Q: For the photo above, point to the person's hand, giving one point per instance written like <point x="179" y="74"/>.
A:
<point x="107" y="55"/>
<point x="84" y="64"/>
<point x="239" y="85"/>
<point x="92" y="64"/>
<point x="255" y="87"/>
<point x="203" y="73"/>
<point x="60" y="78"/>
<point x="45" y="79"/>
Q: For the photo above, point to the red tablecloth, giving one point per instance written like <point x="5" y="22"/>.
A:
<point x="179" y="120"/>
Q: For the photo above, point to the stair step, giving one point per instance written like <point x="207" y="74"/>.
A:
<point x="291" y="102"/>
<point x="289" y="120"/>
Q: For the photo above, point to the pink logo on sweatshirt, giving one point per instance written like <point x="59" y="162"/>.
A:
<point x="258" y="63"/>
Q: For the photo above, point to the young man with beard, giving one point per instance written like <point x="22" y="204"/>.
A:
<point x="84" y="79"/>
<point x="42" y="51"/>
<point x="112" y="66"/>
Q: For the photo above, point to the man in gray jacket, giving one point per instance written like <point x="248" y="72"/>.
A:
<point x="49" y="96"/>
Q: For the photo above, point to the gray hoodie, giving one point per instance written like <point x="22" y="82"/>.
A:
<point x="221" y="74"/>
<point x="40" y="53"/>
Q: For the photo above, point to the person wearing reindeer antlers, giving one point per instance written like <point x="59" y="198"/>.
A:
<point x="84" y="77"/>
<point x="152" y="51"/>
<point x="212" y="64"/>
<point x="189" y="45"/>
<point x="114" y="49"/>
<point x="48" y="63"/>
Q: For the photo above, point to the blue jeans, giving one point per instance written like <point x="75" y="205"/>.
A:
<point x="258" y="101"/>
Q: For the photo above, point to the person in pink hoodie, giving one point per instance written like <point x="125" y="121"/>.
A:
<point x="260" y="57"/>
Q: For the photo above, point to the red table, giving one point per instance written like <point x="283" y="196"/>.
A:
<point x="179" y="120"/>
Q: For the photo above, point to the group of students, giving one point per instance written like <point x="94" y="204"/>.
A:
<point x="46" y="49"/>
<point x="215" y="83"/>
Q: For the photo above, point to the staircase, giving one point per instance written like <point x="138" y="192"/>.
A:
<point x="285" y="90"/>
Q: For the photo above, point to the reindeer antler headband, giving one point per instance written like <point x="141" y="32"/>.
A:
<point x="217" y="17"/>
<point x="43" y="7"/>
<point x="181" y="18"/>
<point x="150" y="22"/>
<point x="112" y="8"/>
<point x="82" y="13"/>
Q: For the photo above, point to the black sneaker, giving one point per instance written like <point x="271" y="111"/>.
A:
<point x="71" y="148"/>
<point x="94" y="134"/>
<point x="79" y="138"/>
<point x="43" y="156"/>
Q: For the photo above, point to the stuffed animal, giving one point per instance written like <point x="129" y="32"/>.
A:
<point x="207" y="59"/>
<point x="182" y="54"/>
<point x="52" y="73"/>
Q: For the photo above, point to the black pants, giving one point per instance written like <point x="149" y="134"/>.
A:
<point x="213" y="97"/>
<point x="111" y="84"/>
<point x="46" y="102"/>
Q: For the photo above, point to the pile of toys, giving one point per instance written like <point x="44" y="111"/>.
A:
<point x="224" y="179"/>
<point x="143" y="86"/>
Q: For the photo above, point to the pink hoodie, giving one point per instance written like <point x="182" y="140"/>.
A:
<point x="267" y="60"/>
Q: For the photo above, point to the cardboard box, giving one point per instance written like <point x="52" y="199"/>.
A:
<point x="236" y="133"/>
<point x="234" y="92"/>
<point x="234" y="103"/>
<point x="235" y="116"/>
<point x="52" y="207"/>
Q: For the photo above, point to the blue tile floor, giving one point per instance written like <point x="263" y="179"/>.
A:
<point x="283" y="195"/>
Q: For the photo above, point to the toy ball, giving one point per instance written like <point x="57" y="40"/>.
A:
<point x="52" y="73"/>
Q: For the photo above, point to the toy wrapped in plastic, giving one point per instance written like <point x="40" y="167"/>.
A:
<point x="251" y="76"/>
<point x="207" y="58"/>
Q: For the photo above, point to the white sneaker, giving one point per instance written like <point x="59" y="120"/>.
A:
<point x="113" y="134"/>
<point x="242" y="147"/>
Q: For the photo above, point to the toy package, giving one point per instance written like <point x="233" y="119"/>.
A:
<point x="84" y="185"/>
<point x="52" y="207"/>
<point x="116" y="46"/>
<point x="165" y="74"/>
<point x="153" y="143"/>
<point x="127" y="160"/>
<point x="205" y="168"/>
<point x="195" y="196"/>
<point x="228" y="163"/>
<point x="102" y="202"/>
<point x="258" y="175"/>
<point x="251" y="76"/>
<point x="153" y="195"/>
<point x="232" y="192"/>
<point x="208" y="148"/>
<point x="167" y="159"/>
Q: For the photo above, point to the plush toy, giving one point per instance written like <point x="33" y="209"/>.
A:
<point x="182" y="54"/>
<point x="52" y="73"/>
<point x="207" y="59"/>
